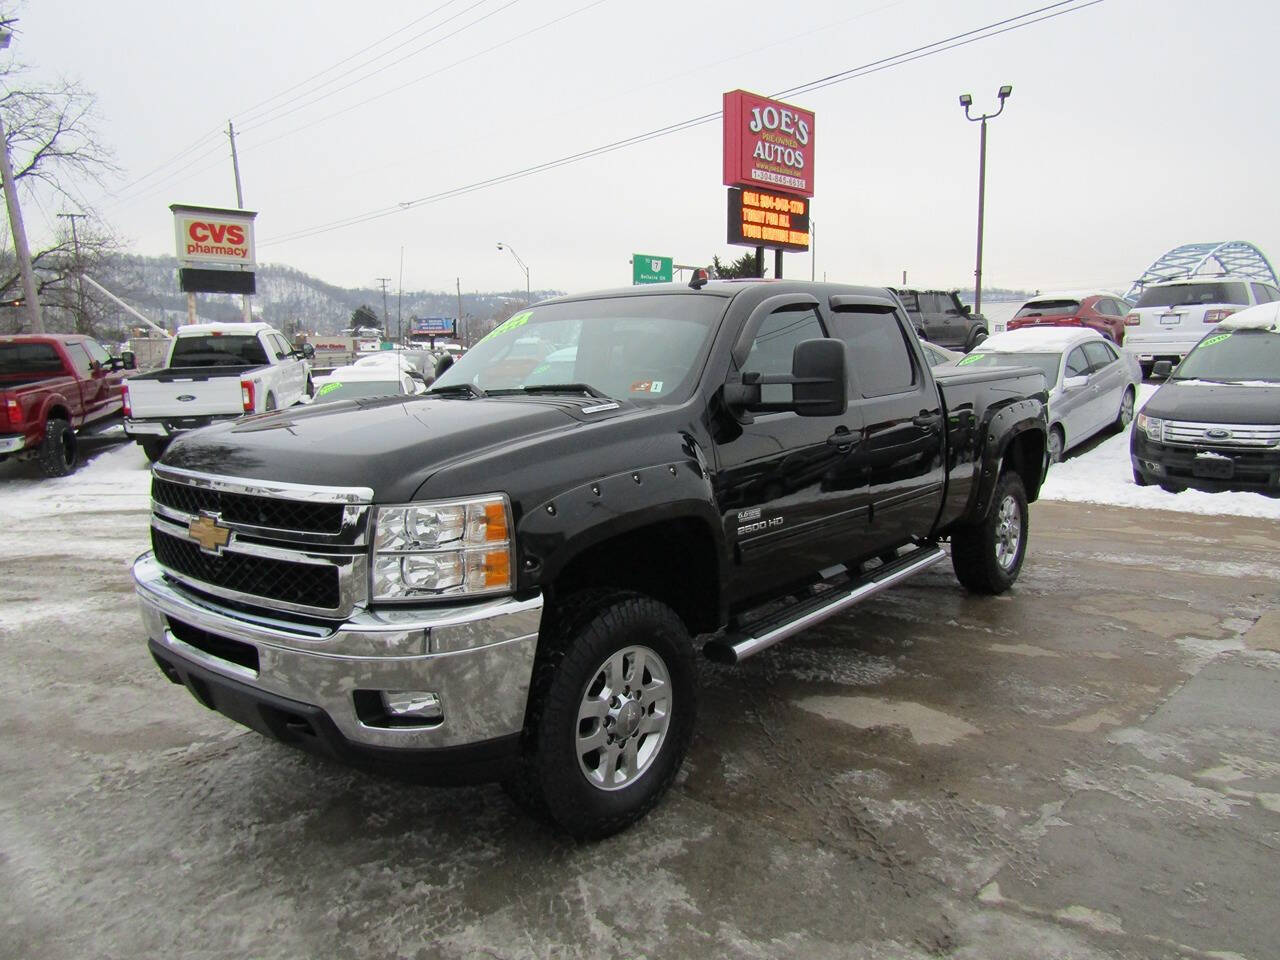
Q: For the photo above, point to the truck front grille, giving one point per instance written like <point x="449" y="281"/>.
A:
<point x="258" y="511"/>
<point x="294" y="583"/>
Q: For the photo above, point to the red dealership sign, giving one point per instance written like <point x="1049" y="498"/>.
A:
<point x="767" y="144"/>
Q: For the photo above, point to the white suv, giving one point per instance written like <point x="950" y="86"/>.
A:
<point x="1173" y="315"/>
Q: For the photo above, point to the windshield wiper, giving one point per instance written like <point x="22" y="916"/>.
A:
<point x="586" y="388"/>
<point x="465" y="387"/>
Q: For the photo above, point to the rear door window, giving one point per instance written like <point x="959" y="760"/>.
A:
<point x="881" y="361"/>
<point x="1099" y="354"/>
<point x="80" y="359"/>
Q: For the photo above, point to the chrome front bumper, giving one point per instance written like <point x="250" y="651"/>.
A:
<point x="477" y="659"/>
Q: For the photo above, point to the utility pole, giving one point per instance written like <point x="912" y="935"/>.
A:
<point x="457" y="329"/>
<point x="81" y="325"/>
<point x="15" y="218"/>
<point x="385" y="319"/>
<point x="235" y="165"/>
<point x="400" y="300"/>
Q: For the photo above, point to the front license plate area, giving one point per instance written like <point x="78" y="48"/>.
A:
<point x="1212" y="467"/>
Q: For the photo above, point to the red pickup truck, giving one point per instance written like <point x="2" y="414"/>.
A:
<point x="52" y="387"/>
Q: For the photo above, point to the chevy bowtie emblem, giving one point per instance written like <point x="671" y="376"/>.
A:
<point x="207" y="532"/>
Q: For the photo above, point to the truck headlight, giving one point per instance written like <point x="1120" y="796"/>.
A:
<point x="1153" y="427"/>
<point x="454" y="547"/>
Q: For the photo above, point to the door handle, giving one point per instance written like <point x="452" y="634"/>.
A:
<point x="842" y="439"/>
<point x="927" y="420"/>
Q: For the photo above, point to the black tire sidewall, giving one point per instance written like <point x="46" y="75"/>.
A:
<point x="154" y="449"/>
<point x="580" y="808"/>
<point x="52" y="460"/>
<point x="973" y="550"/>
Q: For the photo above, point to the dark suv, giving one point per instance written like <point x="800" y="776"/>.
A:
<point x="941" y="318"/>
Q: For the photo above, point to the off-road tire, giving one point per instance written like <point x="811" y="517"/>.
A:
<point x="583" y="633"/>
<point x="311" y="386"/>
<point x="983" y="554"/>
<point x="975" y="339"/>
<point x="154" y="448"/>
<point x="58" y="453"/>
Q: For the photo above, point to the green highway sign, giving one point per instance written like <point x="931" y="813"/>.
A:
<point x="647" y="269"/>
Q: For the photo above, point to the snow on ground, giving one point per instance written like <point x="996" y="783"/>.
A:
<point x="1103" y="474"/>
<point x="117" y="479"/>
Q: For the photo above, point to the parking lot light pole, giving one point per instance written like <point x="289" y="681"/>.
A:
<point x="528" y="296"/>
<point x="966" y="101"/>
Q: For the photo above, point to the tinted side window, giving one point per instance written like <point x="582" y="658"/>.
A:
<point x="79" y="358"/>
<point x="1260" y="293"/>
<point x="880" y="359"/>
<point x="1099" y="354"/>
<point x="1106" y="306"/>
<point x="774" y="344"/>
<point x="1077" y="363"/>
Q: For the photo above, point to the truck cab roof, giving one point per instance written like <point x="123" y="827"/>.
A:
<point x="225" y="328"/>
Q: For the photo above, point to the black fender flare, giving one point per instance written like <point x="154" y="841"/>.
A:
<point x="1005" y="425"/>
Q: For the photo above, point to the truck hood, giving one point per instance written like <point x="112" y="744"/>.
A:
<point x="391" y="444"/>
<point x="1202" y="401"/>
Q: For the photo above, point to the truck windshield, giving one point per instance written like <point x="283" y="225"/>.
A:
<point x="642" y="348"/>
<point x="1178" y="294"/>
<point x="208" y="350"/>
<point x="1234" y="356"/>
<point x="1046" y="363"/>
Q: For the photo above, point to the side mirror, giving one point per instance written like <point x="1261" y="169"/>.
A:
<point x="966" y="309"/>
<point x="1161" y="370"/>
<point x="1075" y="383"/>
<point x="308" y="351"/>
<point x="821" y="385"/>
<point x="129" y="359"/>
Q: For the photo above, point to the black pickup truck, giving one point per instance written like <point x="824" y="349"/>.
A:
<point x="500" y="579"/>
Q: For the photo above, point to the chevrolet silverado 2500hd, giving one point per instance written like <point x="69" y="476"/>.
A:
<point x="501" y="578"/>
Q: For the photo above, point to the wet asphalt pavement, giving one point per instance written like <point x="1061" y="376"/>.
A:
<point x="1086" y="767"/>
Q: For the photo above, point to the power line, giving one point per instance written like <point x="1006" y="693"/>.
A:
<point x="261" y="143"/>
<point x="996" y="28"/>
<point x="216" y="134"/>
<point x="262" y="121"/>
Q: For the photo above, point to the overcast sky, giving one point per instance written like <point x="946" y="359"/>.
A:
<point x="1134" y="126"/>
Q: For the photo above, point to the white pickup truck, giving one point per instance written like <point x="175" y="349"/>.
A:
<point x="214" y="371"/>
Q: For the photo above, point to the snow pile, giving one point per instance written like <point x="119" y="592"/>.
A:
<point x="1103" y="474"/>
<point x="119" y="479"/>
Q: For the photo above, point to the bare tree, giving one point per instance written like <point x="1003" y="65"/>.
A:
<point x="54" y="147"/>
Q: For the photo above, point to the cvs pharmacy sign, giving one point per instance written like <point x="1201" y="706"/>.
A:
<point x="214" y="235"/>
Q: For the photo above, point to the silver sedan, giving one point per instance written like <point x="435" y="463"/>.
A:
<point x="1092" y="385"/>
